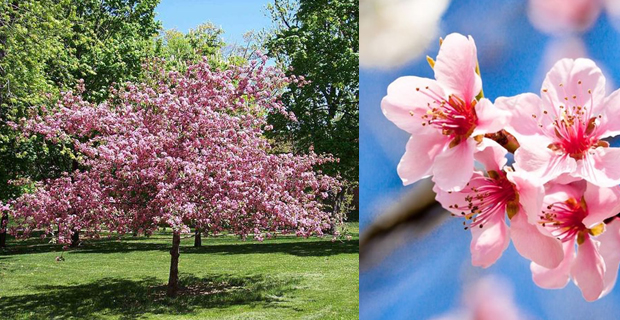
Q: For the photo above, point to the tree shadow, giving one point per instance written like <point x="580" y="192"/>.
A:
<point x="297" y="247"/>
<point x="33" y="244"/>
<point x="304" y="248"/>
<point x="132" y="299"/>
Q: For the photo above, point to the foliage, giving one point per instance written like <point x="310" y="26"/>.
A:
<point x="45" y="47"/>
<point x="318" y="40"/>
<point x="30" y="36"/>
<point x="181" y="49"/>
<point x="111" y="39"/>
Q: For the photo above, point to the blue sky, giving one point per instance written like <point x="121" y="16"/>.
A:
<point x="235" y="17"/>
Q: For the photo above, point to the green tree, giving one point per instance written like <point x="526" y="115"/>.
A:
<point x="180" y="49"/>
<point x="111" y="39"/>
<point x="33" y="69"/>
<point x="45" y="47"/>
<point x="318" y="39"/>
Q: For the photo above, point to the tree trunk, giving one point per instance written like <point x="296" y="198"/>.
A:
<point x="3" y="224"/>
<point x="75" y="239"/>
<point x="336" y="212"/>
<point x="198" y="238"/>
<point x="173" y="280"/>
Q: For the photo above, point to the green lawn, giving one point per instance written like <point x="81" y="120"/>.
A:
<point x="285" y="278"/>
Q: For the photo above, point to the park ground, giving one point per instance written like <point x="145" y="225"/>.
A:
<point x="226" y="278"/>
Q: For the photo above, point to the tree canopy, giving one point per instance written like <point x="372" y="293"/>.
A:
<point x="185" y="150"/>
<point x="318" y="39"/>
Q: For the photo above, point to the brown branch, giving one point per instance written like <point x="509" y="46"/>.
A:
<point x="411" y="218"/>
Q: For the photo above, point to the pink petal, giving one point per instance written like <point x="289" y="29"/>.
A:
<point x="489" y="242"/>
<point x="566" y="178"/>
<point x="542" y="162"/>
<point x="454" y="167"/>
<point x="602" y="203"/>
<point x="557" y="277"/>
<point x="491" y="155"/>
<point x="531" y="193"/>
<point x="588" y="270"/>
<point x="572" y="79"/>
<point x="522" y="110"/>
<point x="600" y="167"/>
<point x="556" y="192"/>
<point x="451" y="200"/>
<point x="609" y="124"/>
<point x="420" y="152"/>
<point x="403" y="98"/>
<point x="610" y="251"/>
<point x="490" y="118"/>
<point x="455" y="68"/>
<point x="544" y="250"/>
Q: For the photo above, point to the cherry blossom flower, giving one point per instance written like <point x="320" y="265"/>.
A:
<point x="575" y="213"/>
<point x="569" y="120"/>
<point x="443" y="116"/>
<point x="484" y="203"/>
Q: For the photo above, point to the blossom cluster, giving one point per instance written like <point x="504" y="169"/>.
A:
<point x="558" y="201"/>
<point x="183" y="150"/>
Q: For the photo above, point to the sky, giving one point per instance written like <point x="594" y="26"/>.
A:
<point x="235" y="17"/>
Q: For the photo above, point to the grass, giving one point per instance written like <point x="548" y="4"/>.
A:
<point x="283" y="278"/>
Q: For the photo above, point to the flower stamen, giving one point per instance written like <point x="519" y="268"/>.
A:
<point x="454" y="117"/>
<point x="492" y="196"/>
<point x="564" y="220"/>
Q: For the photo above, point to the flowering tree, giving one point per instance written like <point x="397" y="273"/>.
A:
<point x="560" y="196"/>
<point x="185" y="150"/>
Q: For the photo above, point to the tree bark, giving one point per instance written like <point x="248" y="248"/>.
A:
<point x="3" y="224"/>
<point x="197" y="238"/>
<point x="75" y="239"/>
<point x="336" y="212"/>
<point x="173" y="280"/>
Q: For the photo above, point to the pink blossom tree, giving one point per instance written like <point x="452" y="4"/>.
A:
<point x="181" y="150"/>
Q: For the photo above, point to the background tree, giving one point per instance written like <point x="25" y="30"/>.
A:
<point x="318" y="39"/>
<point x="182" y="150"/>
<point x="111" y="39"/>
<point x="45" y="47"/>
<point x="180" y="50"/>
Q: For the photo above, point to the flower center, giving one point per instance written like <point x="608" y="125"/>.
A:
<point x="575" y="137"/>
<point x="454" y="117"/>
<point x="576" y="129"/>
<point x="491" y="196"/>
<point x="564" y="220"/>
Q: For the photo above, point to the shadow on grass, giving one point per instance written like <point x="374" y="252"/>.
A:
<point x="297" y="247"/>
<point x="131" y="299"/>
